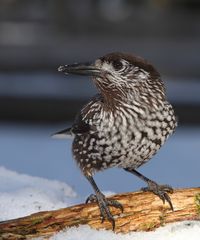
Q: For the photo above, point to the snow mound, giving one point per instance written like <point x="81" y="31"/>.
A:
<point x="176" y="231"/>
<point x="21" y="195"/>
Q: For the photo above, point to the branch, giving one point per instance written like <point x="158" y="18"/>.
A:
<point x="142" y="212"/>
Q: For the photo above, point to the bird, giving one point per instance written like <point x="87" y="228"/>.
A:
<point x="123" y="125"/>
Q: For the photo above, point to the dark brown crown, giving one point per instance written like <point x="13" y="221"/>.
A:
<point x="132" y="59"/>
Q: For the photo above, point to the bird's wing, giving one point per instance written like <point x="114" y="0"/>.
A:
<point x="80" y="125"/>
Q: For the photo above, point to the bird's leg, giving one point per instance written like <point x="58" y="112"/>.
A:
<point x="160" y="190"/>
<point x="103" y="202"/>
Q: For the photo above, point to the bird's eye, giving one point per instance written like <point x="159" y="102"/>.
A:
<point x="117" y="65"/>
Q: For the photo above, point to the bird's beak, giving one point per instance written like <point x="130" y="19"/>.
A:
<point x="80" y="69"/>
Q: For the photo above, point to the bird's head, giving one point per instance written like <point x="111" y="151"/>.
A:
<point x="121" y="76"/>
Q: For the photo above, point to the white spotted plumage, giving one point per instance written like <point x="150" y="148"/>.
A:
<point x="122" y="126"/>
<point x="128" y="121"/>
<point x="120" y="142"/>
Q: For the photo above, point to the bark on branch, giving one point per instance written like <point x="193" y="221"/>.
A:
<point x="142" y="212"/>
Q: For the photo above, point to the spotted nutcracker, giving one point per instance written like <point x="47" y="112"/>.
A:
<point x="124" y="125"/>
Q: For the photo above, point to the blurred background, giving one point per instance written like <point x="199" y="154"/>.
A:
<point x="36" y="100"/>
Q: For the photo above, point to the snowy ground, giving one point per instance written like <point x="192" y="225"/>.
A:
<point x="22" y="194"/>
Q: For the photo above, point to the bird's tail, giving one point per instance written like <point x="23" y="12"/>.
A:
<point x="66" y="133"/>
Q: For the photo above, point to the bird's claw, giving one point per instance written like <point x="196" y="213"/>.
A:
<point x="161" y="191"/>
<point x="104" y="205"/>
<point x="92" y="198"/>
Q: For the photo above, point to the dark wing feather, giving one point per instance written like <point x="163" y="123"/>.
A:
<point x="80" y="126"/>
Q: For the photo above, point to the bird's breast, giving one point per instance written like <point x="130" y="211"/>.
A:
<point x="124" y="138"/>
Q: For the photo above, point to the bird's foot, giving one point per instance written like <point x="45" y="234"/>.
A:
<point x="104" y="205"/>
<point x="161" y="191"/>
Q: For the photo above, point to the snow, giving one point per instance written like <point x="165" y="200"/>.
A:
<point x="22" y="194"/>
<point x="177" y="231"/>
